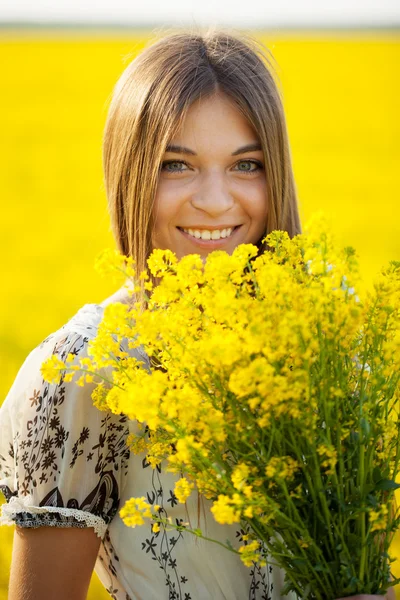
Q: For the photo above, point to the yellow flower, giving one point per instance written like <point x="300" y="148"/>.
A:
<point x="378" y="518"/>
<point x="189" y="271"/>
<point x="99" y="397"/>
<point x="248" y="491"/>
<point x="223" y="511"/>
<point x="161" y="261"/>
<point x="296" y="493"/>
<point x="240" y="475"/>
<point x="184" y="448"/>
<point x="51" y="369"/>
<point x="111" y="263"/>
<point x="330" y="456"/>
<point x="135" y="511"/>
<point x="281" y="467"/>
<point x="183" y="489"/>
<point x="249" y="553"/>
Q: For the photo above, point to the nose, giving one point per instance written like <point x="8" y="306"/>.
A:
<point x="213" y="195"/>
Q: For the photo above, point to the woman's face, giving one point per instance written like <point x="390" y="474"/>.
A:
<point x="211" y="192"/>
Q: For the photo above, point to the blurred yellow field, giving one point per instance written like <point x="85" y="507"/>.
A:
<point x="341" y="95"/>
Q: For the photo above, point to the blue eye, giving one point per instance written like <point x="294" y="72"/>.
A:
<point x="248" y="164"/>
<point x="173" y="166"/>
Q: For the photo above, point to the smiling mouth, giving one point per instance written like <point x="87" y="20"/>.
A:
<point x="209" y="235"/>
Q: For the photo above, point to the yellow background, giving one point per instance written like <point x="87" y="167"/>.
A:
<point x="341" y="92"/>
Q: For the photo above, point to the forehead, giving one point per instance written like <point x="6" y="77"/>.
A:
<point x="214" y="122"/>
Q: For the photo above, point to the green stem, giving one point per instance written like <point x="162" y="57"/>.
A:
<point x="95" y="373"/>
<point x="363" y="515"/>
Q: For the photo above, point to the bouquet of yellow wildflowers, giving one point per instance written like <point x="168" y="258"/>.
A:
<point x="273" y="390"/>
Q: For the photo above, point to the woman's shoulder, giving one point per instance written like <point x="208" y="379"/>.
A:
<point x="84" y="322"/>
<point x="59" y="454"/>
<point x="71" y="338"/>
<point x="73" y="335"/>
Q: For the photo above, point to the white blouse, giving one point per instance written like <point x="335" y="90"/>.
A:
<point x="64" y="463"/>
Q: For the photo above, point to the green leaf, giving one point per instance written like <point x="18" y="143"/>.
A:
<point x="344" y="560"/>
<point x="301" y="564"/>
<point x="368" y="488"/>
<point x="376" y="475"/>
<point x="387" y="484"/>
<point x="372" y="501"/>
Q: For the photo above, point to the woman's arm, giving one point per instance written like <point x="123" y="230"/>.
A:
<point x="51" y="562"/>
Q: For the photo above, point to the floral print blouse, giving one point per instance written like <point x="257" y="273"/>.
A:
<point x="64" y="463"/>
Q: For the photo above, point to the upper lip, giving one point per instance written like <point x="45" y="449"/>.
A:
<point x="209" y="227"/>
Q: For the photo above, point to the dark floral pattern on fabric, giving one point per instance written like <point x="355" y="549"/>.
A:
<point x="110" y="559"/>
<point x="43" y="443"/>
<point x="160" y="545"/>
<point x="259" y="583"/>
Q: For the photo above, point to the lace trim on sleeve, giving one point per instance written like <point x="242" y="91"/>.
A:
<point x="36" y="516"/>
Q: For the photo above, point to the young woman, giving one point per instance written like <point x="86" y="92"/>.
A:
<point x="196" y="157"/>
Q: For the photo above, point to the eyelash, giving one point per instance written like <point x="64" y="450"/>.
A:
<point x="182" y="162"/>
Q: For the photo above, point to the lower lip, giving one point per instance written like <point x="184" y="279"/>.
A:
<point x="211" y="244"/>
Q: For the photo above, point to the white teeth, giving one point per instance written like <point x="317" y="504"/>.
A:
<point x="206" y="234"/>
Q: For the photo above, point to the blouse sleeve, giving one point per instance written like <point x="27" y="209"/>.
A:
<point x="62" y="461"/>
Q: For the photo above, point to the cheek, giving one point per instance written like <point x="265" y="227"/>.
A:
<point x="166" y="212"/>
<point x="257" y="204"/>
<point x="259" y="213"/>
<point x="166" y="204"/>
<point x="161" y="210"/>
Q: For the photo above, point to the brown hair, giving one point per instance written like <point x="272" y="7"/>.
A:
<point x="148" y="105"/>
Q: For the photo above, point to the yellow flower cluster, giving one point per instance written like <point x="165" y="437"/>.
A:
<point x="224" y="511"/>
<point x="378" y="518"/>
<point x="240" y="475"/>
<point x="267" y="373"/>
<point x="110" y="263"/>
<point x="135" y="511"/>
<point x="183" y="489"/>
<point x="51" y="369"/>
<point x="250" y="554"/>
<point x="161" y="262"/>
<point x="281" y="467"/>
<point x="329" y="456"/>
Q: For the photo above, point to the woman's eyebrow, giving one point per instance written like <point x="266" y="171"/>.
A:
<point x="179" y="150"/>
<point x="248" y="148"/>
<point x="256" y="146"/>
